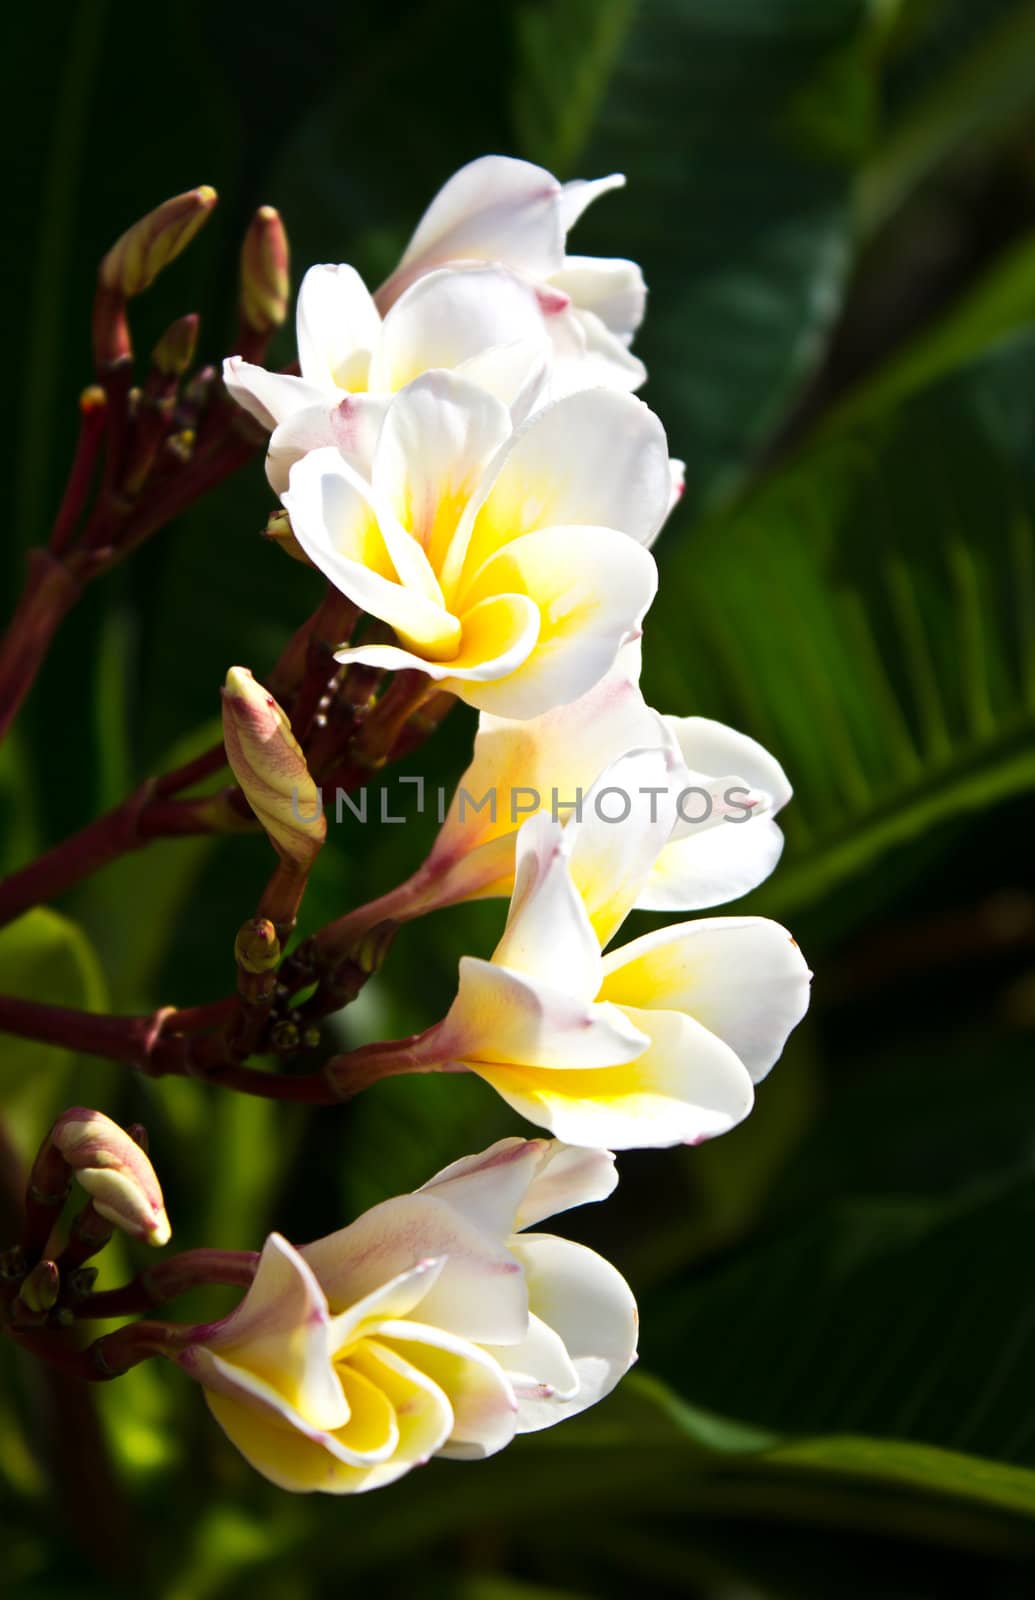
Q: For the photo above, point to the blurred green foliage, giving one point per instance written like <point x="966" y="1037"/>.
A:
<point x="834" y="204"/>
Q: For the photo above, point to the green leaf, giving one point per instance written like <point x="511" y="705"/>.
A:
<point x="742" y="222"/>
<point x="885" y="580"/>
<point x="45" y="957"/>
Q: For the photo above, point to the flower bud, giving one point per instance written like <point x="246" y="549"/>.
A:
<point x="278" y="531"/>
<point x="115" y="1173"/>
<point x="265" y="278"/>
<point x="40" y="1290"/>
<point x="257" y="948"/>
<point x="174" y="352"/>
<point x="268" y="763"/>
<point x="135" y="260"/>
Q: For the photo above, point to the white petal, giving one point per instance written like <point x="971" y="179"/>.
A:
<point x="548" y="936"/>
<point x="613" y="290"/>
<point x="497" y="636"/>
<point x="743" y="978"/>
<point x="550" y="761"/>
<point x="438" y="437"/>
<point x="338" y="328"/>
<point x="587" y="355"/>
<point x="586" y="1302"/>
<point x="538" y="1368"/>
<point x="335" y="520"/>
<point x="579" y="193"/>
<point x="597" y="458"/>
<point x="488" y="1188"/>
<point x="712" y="867"/>
<point x="501" y="1017"/>
<point x="591" y="588"/>
<point x="351" y="425"/>
<point x="684" y="1087"/>
<point x="566" y="1176"/>
<point x="479" y="1292"/>
<point x="484" y="1407"/>
<point x="625" y="824"/>
<point x="517" y="374"/>
<point x="269" y="397"/>
<point x="452" y="316"/>
<point x="712" y="747"/>
<point x="494" y="209"/>
<point x="279" y="1338"/>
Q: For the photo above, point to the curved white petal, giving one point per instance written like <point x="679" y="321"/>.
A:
<point x="439" y="435"/>
<point x="539" y="1368"/>
<point x="579" y="193"/>
<point x="587" y="1303"/>
<point x="502" y="1017"/>
<point x="567" y="1176"/>
<point x="587" y="354"/>
<point x="494" y="209"/>
<point x="482" y="1399"/>
<point x="591" y="588"/>
<point x="687" y="1085"/>
<point x="489" y="1188"/>
<point x="497" y="636"/>
<point x="478" y="1293"/>
<point x="596" y="458"/>
<point x="338" y="328"/>
<point x="548" y="936"/>
<point x="625" y="824"/>
<point x="334" y="519"/>
<point x="712" y="867"/>
<point x="269" y="397"/>
<point x="613" y="290"/>
<point x="715" y="748"/>
<point x="278" y="1341"/>
<point x="452" y="316"/>
<point x="518" y="374"/>
<point x="743" y="978"/>
<point x="547" y="762"/>
<point x="351" y="425"/>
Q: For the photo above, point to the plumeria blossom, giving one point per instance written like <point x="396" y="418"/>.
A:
<point x="659" y="1042"/>
<point x="478" y="320"/>
<point x="511" y="564"/>
<point x="724" y="790"/>
<point x="433" y="1325"/>
<point x="511" y="212"/>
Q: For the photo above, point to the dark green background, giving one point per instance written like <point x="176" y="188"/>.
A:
<point x="834" y="205"/>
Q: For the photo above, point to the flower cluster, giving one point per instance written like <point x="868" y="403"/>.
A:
<point x="462" y="457"/>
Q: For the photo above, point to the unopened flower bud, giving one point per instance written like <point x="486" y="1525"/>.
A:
<point x="115" y="1173"/>
<point x="278" y="531"/>
<point x="257" y="948"/>
<point x="40" y="1290"/>
<point x="135" y="260"/>
<point x="265" y="277"/>
<point x="174" y="352"/>
<point x="268" y="763"/>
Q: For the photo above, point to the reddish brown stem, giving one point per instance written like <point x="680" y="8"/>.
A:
<point x="169" y="1279"/>
<point x="50" y="592"/>
<point x="92" y="406"/>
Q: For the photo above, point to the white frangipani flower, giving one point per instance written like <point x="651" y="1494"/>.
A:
<point x="433" y="1325"/>
<point x="478" y="320"/>
<point x="657" y="1043"/>
<point x="512" y="212"/>
<point x="512" y="565"/>
<point x="723" y="792"/>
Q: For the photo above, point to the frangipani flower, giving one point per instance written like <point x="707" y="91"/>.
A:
<point x="723" y="789"/>
<point x="433" y="1325"/>
<point x="657" y="1043"/>
<point x="477" y="320"/>
<point x="512" y="212"/>
<point x="512" y="565"/>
